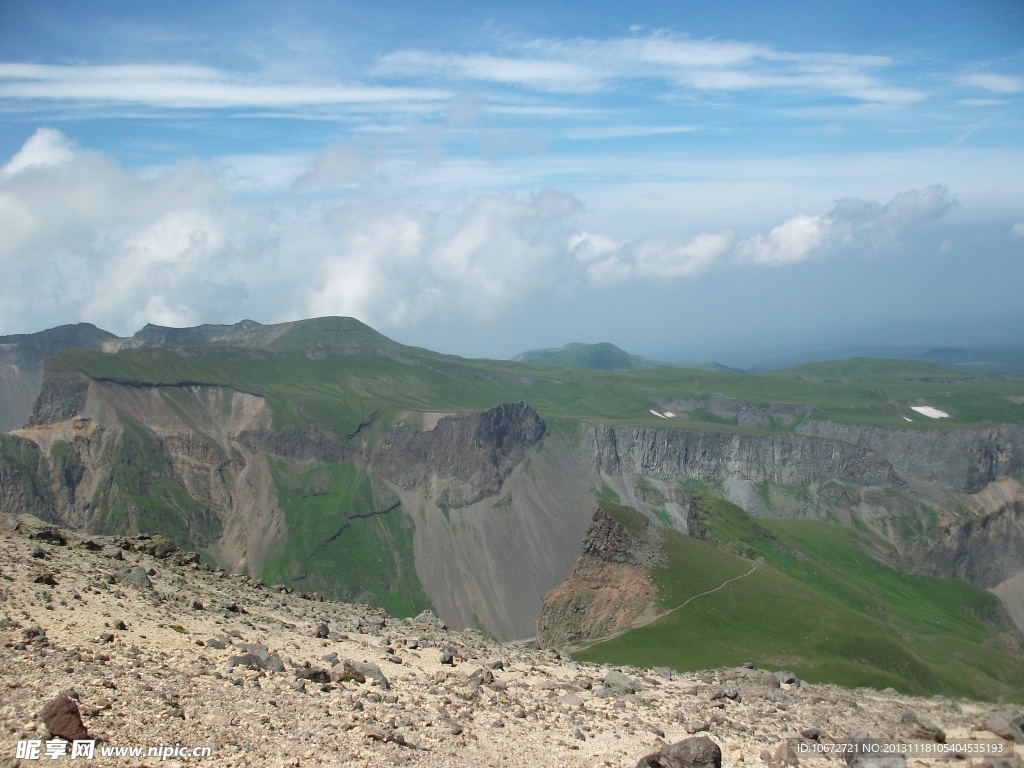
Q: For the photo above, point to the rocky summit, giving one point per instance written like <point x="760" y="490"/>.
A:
<point x="130" y="643"/>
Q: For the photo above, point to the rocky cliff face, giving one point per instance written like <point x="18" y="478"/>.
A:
<point x="964" y="460"/>
<point x="194" y="463"/>
<point x="107" y="457"/>
<point x="609" y="589"/>
<point x="680" y="454"/>
<point x="948" y="499"/>
<point x="464" y="458"/>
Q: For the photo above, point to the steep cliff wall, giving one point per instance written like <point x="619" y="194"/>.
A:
<point x="489" y="564"/>
<point x="679" y="454"/>
<point x="948" y="499"/>
<point x="963" y="460"/>
<point x="464" y="458"/>
<point x="120" y="458"/>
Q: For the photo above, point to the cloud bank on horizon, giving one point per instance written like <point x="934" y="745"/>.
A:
<point x="619" y="182"/>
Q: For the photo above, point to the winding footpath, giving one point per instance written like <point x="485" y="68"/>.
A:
<point x="663" y="614"/>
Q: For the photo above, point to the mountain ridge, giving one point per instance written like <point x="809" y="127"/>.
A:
<point x="325" y="456"/>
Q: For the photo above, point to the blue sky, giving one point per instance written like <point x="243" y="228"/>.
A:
<point x="688" y="180"/>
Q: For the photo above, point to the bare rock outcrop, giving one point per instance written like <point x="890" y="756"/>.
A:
<point x="609" y="588"/>
<point x="676" y="454"/>
<point x="695" y="752"/>
<point x="965" y="460"/>
<point x="300" y="444"/>
<point x="464" y="458"/>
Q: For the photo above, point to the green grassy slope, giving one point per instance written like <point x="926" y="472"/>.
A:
<point x="138" y="492"/>
<point x="344" y="540"/>
<point x="337" y="389"/>
<point x="821" y="602"/>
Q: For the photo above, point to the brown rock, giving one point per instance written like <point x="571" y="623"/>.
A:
<point x="699" y="751"/>
<point x="63" y="719"/>
<point x="1003" y="728"/>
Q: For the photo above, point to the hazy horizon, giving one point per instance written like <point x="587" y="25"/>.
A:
<point x="710" y="181"/>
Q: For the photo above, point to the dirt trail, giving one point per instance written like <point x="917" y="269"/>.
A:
<point x="663" y="614"/>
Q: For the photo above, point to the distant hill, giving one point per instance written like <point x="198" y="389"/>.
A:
<point x="21" y="365"/>
<point x="324" y="332"/>
<point x="1008" y="359"/>
<point x="595" y="357"/>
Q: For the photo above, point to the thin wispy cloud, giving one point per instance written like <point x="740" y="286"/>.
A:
<point x="177" y="87"/>
<point x="586" y="66"/>
<point x="993" y="82"/>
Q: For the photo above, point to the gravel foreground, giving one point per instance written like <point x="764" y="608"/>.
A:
<point x="156" y="650"/>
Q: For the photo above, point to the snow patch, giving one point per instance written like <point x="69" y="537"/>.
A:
<point x="931" y="413"/>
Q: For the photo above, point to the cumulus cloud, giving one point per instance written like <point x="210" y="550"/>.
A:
<point x="372" y="269"/>
<point x="602" y="257"/>
<point x="338" y="165"/>
<point x="87" y="239"/>
<point x="1017" y="230"/>
<point x="45" y="149"/>
<point x="788" y="243"/>
<point x="665" y="260"/>
<point x="395" y="267"/>
<point x="853" y="226"/>
<point x="607" y="261"/>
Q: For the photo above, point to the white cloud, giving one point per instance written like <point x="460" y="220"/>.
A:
<point x="868" y="228"/>
<point x="1017" y="230"/>
<point x="627" y="131"/>
<point x="584" y="66"/>
<point x="394" y="267"/>
<point x="86" y="239"/>
<point x="180" y="87"/>
<point x="982" y="102"/>
<point x="858" y="227"/>
<point x="45" y="149"/>
<point x="666" y="260"/>
<point x="788" y="243"/>
<point x="372" y="271"/>
<point x="601" y="256"/>
<point x="538" y="74"/>
<point x="607" y="261"/>
<point x="992" y="82"/>
<point x="338" y="165"/>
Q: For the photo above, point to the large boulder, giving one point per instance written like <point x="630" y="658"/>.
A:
<point x="695" y="752"/>
<point x="63" y="720"/>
